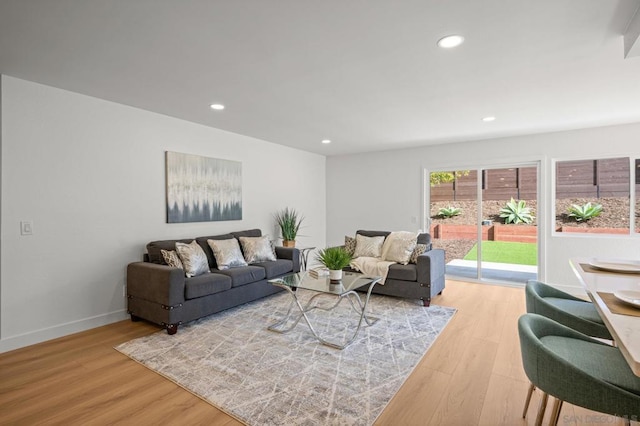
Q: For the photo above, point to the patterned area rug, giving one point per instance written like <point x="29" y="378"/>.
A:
<point x="260" y="377"/>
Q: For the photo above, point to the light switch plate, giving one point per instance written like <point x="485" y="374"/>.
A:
<point x="26" y="227"/>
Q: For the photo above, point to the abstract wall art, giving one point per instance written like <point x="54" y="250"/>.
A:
<point x="202" y="189"/>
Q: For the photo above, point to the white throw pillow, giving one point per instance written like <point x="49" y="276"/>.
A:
<point x="193" y="258"/>
<point x="368" y="246"/>
<point x="398" y="246"/>
<point x="257" y="249"/>
<point x="227" y="253"/>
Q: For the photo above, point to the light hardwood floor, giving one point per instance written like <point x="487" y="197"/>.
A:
<point x="472" y="375"/>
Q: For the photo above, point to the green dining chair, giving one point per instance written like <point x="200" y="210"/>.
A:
<point x="575" y="368"/>
<point x="566" y="309"/>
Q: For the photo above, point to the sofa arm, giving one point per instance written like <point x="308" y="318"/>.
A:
<point x="290" y="253"/>
<point x="430" y="266"/>
<point x="160" y="284"/>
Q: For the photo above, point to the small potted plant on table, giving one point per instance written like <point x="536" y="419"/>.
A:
<point x="334" y="258"/>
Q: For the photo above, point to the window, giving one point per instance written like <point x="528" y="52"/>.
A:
<point x="593" y="196"/>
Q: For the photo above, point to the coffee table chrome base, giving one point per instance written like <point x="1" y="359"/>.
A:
<point x="310" y="306"/>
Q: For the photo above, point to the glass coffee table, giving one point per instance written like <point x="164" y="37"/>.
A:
<point x="343" y="289"/>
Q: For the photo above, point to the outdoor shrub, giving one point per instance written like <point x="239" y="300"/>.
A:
<point x="516" y="212"/>
<point x="585" y="211"/>
<point x="448" y="212"/>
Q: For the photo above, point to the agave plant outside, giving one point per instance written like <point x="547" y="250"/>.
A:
<point x="450" y="211"/>
<point x="585" y="211"/>
<point x="516" y="212"/>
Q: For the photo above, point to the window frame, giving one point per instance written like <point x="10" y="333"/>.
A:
<point x="633" y="232"/>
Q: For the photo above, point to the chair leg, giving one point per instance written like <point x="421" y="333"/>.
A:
<point x="528" y="400"/>
<point x="555" y="412"/>
<point x="541" y="409"/>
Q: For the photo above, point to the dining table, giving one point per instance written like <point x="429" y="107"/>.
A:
<point x="613" y="285"/>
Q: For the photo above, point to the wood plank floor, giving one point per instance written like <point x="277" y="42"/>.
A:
<point x="472" y="375"/>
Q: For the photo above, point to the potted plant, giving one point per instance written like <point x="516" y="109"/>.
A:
<point x="289" y="221"/>
<point x="334" y="258"/>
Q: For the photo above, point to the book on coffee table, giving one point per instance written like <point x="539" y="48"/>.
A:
<point x="318" y="272"/>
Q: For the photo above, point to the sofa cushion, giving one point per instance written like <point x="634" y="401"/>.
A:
<point x="227" y="253"/>
<point x="248" y="233"/>
<point x="171" y="258"/>
<point x="403" y="272"/>
<point x="257" y="249"/>
<point x="205" y="284"/>
<point x="207" y="250"/>
<point x="244" y="274"/>
<point x="420" y="248"/>
<point x="373" y="233"/>
<point x="154" y="247"/>
<point x="274" y="269"/>
<point x="194" y="261"/>
<point x="425" y="239"/>
<point x="398" y="247"/>
<point x="368" y="246"/>
<point x="349" y="244"/>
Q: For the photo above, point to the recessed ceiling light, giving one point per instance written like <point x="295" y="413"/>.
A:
<point x="487" y="119"/>
<point x="325" y="141"/>
<point x="450" y="41"/>
<point x="217" y="107"/>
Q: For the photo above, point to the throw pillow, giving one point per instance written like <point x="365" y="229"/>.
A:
<point x="398" y="247"/>
<point x="227" y="253"/>
<point x="420" y="248"/>
<point x="350" y="245"/>
<point x="368" y="246"/>
<point x="193" y="258"/>
<point x="257" y="249"/>
<point x="171" y="258"/>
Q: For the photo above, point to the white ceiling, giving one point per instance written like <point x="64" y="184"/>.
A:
<point x="366" y="74"/>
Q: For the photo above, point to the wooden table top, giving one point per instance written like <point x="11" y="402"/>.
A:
<point x="624" y="328"/>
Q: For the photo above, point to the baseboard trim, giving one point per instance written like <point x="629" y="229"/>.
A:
<point x="60" y="330"/>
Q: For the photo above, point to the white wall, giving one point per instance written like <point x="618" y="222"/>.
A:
<point x="90" y="175"/>
<point x="384" y="188"/>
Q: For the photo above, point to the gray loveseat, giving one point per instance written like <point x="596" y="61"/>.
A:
<point x="164" y="295"/>
<point x="422" y="280"/>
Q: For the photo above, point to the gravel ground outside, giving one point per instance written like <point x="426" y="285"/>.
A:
<point x="615" y="214"/>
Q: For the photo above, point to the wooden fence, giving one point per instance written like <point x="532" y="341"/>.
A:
<point x="574" y="179"/>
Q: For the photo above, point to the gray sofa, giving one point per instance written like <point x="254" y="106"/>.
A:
<point x="422" y="280"/>
<point x="161" y="294"/>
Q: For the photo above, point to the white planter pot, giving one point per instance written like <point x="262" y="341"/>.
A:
<point x="335" y="275"/>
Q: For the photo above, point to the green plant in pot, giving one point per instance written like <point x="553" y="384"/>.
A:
<point x="289" y="221"/>
<point x="334" y="258"/>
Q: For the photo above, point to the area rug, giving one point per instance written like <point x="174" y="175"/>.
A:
<point x="260" y="377"/>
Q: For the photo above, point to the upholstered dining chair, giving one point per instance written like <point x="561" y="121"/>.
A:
<point x="575" y="368"/>
<point x="566" y="309"/>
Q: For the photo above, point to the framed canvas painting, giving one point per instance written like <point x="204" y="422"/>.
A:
<point x="202" y="189"/>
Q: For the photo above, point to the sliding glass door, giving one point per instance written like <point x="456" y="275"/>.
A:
<point x="486" y="221"/>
